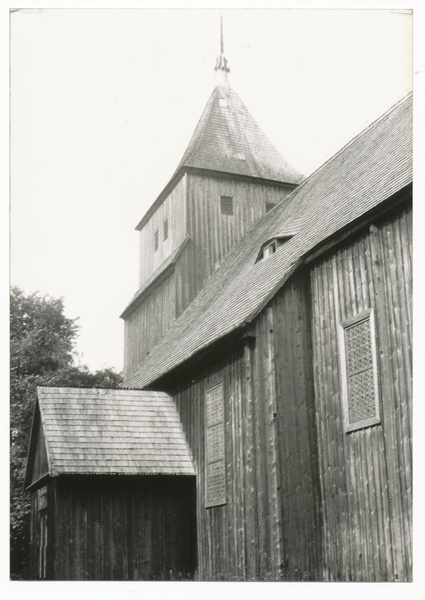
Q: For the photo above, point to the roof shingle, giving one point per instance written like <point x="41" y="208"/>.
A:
<point x="112" y="432"/>
<point x="367" y="171"/>
<point x="228" y="139"/>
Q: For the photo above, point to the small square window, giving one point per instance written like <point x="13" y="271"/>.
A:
<point x="269" y="206"/>
<point x="165" y="229"/>
<point x="156" y="240"/>
<point x="359" y="372"/>
<point x="226" y="203"/>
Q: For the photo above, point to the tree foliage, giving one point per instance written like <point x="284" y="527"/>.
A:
<point x="42" y="341"/>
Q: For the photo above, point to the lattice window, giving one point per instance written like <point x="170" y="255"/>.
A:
<point x="359" y="372"/>
<point x="214" y="447"/>
<point x="226" y="204"/>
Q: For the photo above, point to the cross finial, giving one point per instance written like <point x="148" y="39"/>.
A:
<point x="221" y="66"/>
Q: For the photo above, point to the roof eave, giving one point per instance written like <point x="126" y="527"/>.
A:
<point x="382" y="208"/>
<point x="178" y="176"/>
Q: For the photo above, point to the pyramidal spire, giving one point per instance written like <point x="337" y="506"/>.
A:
<point x="221" y="66"/>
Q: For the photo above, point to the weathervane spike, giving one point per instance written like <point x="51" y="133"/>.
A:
<point x="221" y="34"/>
<point x="221" y="66"/>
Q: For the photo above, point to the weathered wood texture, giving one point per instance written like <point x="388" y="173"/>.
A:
<point x="142" y="331"/>
<point x="214" y="234"/>
<point x="38" y="463"/>
<point x="120" y="432"/>
<point x="269" y="528"/>
<point x="296" y="430"/>
<point x="192" y="209"/>
<point x="366" y="475"/>
<point x="172" y="209"/>
<point x="125" y="528"/>
<point x="41" y="567"/>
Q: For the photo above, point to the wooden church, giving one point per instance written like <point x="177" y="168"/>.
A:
<point x="264" y="429"/>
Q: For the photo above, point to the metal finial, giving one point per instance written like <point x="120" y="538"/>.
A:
<point x="221" y="34"/>
<point x="221" y="65"/>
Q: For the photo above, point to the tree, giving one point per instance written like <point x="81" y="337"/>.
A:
<point x="42" y="340"/>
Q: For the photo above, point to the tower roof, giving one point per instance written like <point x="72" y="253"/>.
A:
<point x="365" y="175"/>
<point x="227" y="139"/>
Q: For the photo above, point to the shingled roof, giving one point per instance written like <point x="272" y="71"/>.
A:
<point x="366" y="172"/>
<point x="227" y="139"/>
<point x="103" y="431"/>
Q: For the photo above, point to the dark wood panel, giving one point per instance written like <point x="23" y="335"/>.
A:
<point x="119" y="528"/>
<point x="366" y="474"/>
<point x="293" y="415"/>
<point x="270" y="527"/>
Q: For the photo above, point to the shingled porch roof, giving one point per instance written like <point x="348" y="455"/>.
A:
<point x="367" y="171"/>
<point x="104" y="431"/>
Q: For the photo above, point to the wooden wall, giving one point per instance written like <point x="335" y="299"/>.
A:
<point x="214" y="234"/>
<point x="192" y="208"/>
<point x="269" y="528"/>
<point x="366" y="475"/>
<point x="146" y="325"/>
<point x="172" y="208"/>
<point x="36" y="565"/>
<point x="122" y="528"/>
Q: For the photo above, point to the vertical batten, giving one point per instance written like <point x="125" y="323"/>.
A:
<point x="372" y="466"/>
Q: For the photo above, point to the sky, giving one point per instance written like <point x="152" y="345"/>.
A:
<point x="104" y="102"/>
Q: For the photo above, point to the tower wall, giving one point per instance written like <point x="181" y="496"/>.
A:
<point x="172" y="210"/>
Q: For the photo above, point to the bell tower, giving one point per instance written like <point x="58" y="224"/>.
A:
<point x="230" y="175"/>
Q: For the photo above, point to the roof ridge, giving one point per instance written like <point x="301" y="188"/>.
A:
<point x="327" y="201"/>
<point x="355" y="138"/>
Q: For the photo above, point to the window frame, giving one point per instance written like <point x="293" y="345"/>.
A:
<point x="368" y="315"/>
<point x="269" y="249"/>
<point x="221" y="500"/>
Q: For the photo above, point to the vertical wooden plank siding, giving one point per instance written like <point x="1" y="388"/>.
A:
<point x="173" y="208"/>
<point x="214" y="234"/>
<point x="366" y="478"/>
<point x="270" y="527"/>
<point x="225" y="550"/>
<point x="296" y="433"/>
<point x="124" y="528"/>
<point x="192" y="208"/>
<point x="141" y="331"/>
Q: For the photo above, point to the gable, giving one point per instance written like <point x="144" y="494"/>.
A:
<point x="38" y="466"/>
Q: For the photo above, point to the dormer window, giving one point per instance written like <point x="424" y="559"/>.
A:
<point x="270" y="247"/>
